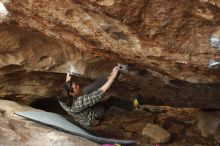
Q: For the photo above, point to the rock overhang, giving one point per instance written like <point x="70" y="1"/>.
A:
<point x="160" y="42"/>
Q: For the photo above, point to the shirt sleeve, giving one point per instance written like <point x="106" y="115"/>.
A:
<point x="64" y="106"/>
<point x="86" y="101"/>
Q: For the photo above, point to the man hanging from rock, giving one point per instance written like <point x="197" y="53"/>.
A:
<point x="88" y="105"/>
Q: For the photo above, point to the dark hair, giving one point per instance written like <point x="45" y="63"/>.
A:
<point x="64" y="95"/>
<point x="68" y="86"/>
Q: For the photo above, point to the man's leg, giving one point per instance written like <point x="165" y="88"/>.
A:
<point x="117" y="102"/>
<point x="101" y="107"/>
<point x="94" y="86"/>
<point x="99" y="111"/>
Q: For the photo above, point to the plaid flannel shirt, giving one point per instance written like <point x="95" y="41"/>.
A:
<point x="81" y="108"/>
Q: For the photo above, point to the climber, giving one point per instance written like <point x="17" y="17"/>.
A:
<point x="88" y="105"/>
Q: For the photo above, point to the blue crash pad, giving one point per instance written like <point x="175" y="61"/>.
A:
<point x="58" y="121"/>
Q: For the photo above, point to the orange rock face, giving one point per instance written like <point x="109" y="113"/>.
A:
<point x="170" y="37"/>
<point x="166" y="45"/>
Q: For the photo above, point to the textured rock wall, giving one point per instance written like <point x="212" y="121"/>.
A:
<point x="169" y="37"/>
<point x="164" y="43"/>
<point x="30" y="63"/>
<point x="17" y="131"/>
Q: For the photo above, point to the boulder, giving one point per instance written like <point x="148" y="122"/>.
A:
<point x="156" y="133"/>
<point x="14" y="132"/>
<point x="33" y="67"/>
<point x="209" y="124"/>
<point x="167" y="47"/>
<point x="8" y="108"/>
<point x="17" y="131"/>
<point x="168" y="38"/>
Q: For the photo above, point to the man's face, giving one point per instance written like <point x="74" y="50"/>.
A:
<point x="76" y="88"/>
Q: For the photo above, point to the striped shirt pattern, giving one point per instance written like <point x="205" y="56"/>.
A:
<point x="81" y="108"/>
